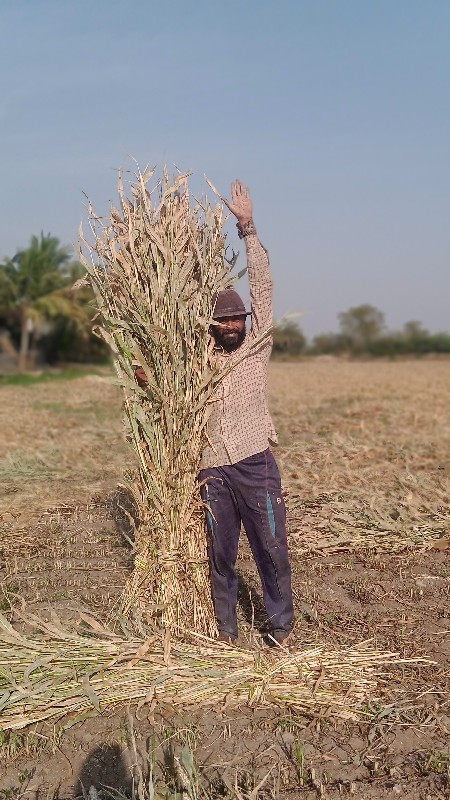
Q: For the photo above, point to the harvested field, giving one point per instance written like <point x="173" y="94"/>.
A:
<point x="365" y="457"/>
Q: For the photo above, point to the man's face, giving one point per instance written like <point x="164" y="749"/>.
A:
<point x="229" y="332"/>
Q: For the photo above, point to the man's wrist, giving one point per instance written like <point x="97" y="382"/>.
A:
<point x="246" y="228"/>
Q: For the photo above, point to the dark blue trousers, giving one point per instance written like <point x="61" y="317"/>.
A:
<point x="248" y="492"/>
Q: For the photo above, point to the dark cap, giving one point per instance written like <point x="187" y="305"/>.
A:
<point x="229" y="304"/>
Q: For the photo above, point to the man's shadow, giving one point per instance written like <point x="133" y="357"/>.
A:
<point x="105" y="766"/>
<point x="252" y="606"/>
<point x="125" y="514"/>
<point x="107" y="772"/>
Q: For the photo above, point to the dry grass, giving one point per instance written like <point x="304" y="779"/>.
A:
<point x="364" y="451"/>
<point x="365" y="455"/>
<point x="60" y="444"/>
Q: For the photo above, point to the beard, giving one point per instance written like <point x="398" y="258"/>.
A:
<point x="228" y="340"/>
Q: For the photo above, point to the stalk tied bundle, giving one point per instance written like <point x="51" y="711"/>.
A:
<point x="155" y="268"/>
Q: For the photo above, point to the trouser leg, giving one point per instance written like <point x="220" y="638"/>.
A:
<point x="223" y="525"/>
<point x="257" y="487"/>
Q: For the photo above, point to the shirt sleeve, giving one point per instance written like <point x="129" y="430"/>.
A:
<point x="260" y="285"/>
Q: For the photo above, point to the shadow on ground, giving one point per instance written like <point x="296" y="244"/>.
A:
<point x="105" y="768"/>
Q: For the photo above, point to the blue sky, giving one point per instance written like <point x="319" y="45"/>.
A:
<point x="336" y="114"/>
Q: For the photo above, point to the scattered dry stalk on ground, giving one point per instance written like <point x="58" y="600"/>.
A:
<point x="57" y="671"/>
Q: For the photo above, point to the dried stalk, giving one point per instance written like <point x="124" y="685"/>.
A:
<point x="155" y="266"/>
<point x="57" y="671"/>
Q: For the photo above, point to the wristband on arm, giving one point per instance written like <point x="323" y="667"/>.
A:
<point x="247" y="229"/>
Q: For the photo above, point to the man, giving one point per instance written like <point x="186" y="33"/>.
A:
<point x="239" y="478"/>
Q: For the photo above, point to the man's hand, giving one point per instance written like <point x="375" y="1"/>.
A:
<point x="240" y="204"/>
<point x="141" y="377"/>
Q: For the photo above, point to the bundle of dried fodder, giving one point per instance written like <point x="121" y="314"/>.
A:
<point x="155" y="266"/>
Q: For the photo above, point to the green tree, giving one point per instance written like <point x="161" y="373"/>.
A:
<point x="332" y="343"/>
<point x="416" y="338"/>
<point x="288" y="338"/>
<point x="34" y="285"/>
<point x="361" y="326"/>
<point x="413" y="329"/>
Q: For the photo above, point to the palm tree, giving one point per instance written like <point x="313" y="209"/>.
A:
<point x="34" y="286"/>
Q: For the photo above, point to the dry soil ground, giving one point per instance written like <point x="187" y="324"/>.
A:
<point x="365" y="457"/>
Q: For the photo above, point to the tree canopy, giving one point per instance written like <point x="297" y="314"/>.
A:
<point x="361" y="326"/>
<point x="35" y="286"/>
<point x="288" y="338"/>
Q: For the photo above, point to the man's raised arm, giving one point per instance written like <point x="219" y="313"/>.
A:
<point x="260" y="281"/>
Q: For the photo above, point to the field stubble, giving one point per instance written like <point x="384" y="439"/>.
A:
<point x="365" y="457"/>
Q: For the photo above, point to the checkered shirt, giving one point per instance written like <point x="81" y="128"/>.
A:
<point x="239" y="424"/>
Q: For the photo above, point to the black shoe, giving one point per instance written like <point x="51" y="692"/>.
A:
<point x="280" y="638"/>
<point x="225" y="637"/>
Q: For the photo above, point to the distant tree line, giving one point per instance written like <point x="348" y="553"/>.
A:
<point x="43" y="320"/>
<point x="362" y="332"/>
